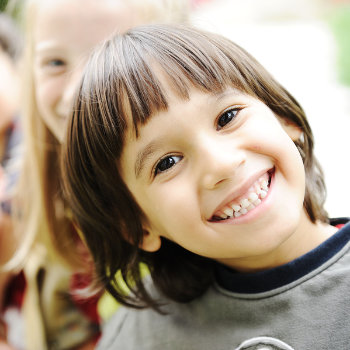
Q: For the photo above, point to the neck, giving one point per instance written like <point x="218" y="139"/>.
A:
<point x="3" y="142"/>
<point x="306" y="237"/>
<point x="4" y="280"/>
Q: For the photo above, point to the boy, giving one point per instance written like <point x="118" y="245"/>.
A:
<point x="185" y="154"/>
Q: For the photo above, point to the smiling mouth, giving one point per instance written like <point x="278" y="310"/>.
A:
<point x="242" y="205"/>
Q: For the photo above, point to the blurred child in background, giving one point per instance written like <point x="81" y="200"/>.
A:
<point x="60" y="35"/>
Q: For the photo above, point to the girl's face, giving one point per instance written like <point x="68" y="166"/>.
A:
<point x="64" y="34"/>
<point x="219" y="174"/>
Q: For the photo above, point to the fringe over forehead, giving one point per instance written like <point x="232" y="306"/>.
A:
<point x="125" y="68"/>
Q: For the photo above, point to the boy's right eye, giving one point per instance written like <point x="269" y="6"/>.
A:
<point x="166" y="163"/>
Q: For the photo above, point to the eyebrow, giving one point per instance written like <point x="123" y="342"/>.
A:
<point x="47" y="45"/>
<point x="144" y="155"/>
<point x="222" y="94"/>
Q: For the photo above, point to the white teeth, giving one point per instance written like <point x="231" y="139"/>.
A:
<point x="263" y="194"/>
<point x="236" y="207"/>
<point x="228" y="211"/>
<point x="257" y="202"/>
<point x="253" y="197"/>
<point x="260" y="189"/>
<point x="245" y="203"/>
<point x="264" y="185"/>
<point x="251" y="207"/>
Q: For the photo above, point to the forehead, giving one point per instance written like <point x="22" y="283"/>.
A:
<point x="197" y="99"/>
<point x="82" y="23"/>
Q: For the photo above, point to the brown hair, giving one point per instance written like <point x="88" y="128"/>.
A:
<point x="119" y="85"/>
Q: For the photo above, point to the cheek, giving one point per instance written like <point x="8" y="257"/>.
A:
<point x="270" y="139"/>
<point x="47" y="94"/>
<point x="269" y="136"/>
<point x="171" y="208"/>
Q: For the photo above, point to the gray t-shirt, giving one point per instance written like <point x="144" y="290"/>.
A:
<point x="303" y="305"/>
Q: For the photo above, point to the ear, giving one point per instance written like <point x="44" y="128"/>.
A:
<point x="151" y="241"/>
<point x="293" y="131"/>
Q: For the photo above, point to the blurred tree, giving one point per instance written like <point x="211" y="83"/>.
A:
<point x="3" y="4"/>
<point x="340" y="24"/>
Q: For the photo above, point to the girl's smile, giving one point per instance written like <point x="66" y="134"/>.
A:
<point x="220" y="175"/>
<point x="64" y="36"/>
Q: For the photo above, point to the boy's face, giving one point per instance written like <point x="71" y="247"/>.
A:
<point x="221" y="176"/>
<point x="65" y="32"/>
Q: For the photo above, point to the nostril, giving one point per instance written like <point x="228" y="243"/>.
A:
<point x="210" y="181"/>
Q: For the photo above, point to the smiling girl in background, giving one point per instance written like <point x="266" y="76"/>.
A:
<point x="60" y="35"/>
<point x="189" y="157"/>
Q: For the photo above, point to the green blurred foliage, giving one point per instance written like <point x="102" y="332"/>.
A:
<point x="340" y="24"/>
<point x="13" y="8"/>
<point x="3" y="4"/>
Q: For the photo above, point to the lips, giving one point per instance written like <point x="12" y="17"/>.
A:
<point x="242" y="204"/>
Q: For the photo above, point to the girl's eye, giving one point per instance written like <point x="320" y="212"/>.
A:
<point x="52" y="66"/>
<point x="166" y="163"/>
<point x="227" y="117"/>
<point x="56" y="63"/>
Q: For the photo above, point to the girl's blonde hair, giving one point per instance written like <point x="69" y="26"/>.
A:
<point x="41" y="208"/>
<point x="39" y="145"/>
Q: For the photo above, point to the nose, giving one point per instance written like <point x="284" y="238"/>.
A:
<point x="219" y="161"/>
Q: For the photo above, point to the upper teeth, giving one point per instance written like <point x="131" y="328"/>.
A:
<point x="257" y="192"/>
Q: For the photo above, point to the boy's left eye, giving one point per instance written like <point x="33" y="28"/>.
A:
<point x="226" y="117"/>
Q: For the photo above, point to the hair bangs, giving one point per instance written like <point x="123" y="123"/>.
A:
<point x="134" y="76"/>
<point x="186" y="61"/>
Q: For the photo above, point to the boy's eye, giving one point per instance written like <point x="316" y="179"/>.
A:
<point x="227" y="117"/>
<point x="166" y="163"/>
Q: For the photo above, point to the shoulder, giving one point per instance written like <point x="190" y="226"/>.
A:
<point x="130" y="328"/>
<point x="147" y="329"/>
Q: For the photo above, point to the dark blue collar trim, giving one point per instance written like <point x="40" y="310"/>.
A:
<point x="267" y="280"/>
